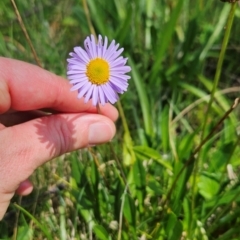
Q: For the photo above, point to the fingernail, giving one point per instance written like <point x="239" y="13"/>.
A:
<point x="99" y="133"/>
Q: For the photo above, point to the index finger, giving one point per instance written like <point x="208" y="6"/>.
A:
<point x="24" y="87"/>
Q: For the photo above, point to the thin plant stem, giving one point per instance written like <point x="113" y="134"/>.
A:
<point x="41" y="227"/>
<point x="126" y="129"/>
<point x="26" y="33"/>
<point x="118" y="163"/>
<point x="115" y="155"/>
<point x="36" y="197"/>
<point x="171" y="134"/>
<point x="95" y="158"/>
<point x="219" y="66"/>
<point x="86" y="10"/>
<point x="200" y="100"/>
<point x="15" y="230"/>
<point x="123" y="118"/>
<point x="191" y="159"/>
<point x="121" y="213"/>
<point x="198" y="163"/>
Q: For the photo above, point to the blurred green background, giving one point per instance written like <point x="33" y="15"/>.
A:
<point x="150" y="183"/>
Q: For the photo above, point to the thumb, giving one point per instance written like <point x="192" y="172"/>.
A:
<point x="26" y="146"/>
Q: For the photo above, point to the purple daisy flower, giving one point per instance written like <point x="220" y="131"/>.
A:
<point x="98" y="72"/>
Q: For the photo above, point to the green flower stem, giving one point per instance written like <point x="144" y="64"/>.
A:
<point x="123" y="118"/>
<point x="126" y="129"/>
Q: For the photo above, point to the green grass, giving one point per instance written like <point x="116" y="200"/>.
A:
<point x="145" y="185"/>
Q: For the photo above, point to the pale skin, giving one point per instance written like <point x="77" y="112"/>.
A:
<point x="29" y="137"/>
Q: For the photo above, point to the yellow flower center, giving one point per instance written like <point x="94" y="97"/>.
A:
<point x="98" y="71"/>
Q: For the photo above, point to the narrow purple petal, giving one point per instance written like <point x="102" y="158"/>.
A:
<point x="77" y="86"/>
<point x="117" y="62"/>
<point x="109" y="50"/>
<point x="109" y="93"/>
<point x="93" y="47"/>
<point x="99" y="47"/>
<point x="90" y="47"/>
<point x="104" y="47"/>
<point x="80" y="67"/>
<point x="116" y="88"/>
<point x="77" y="76"/>
<point x="78" y="80"/>
<point x="115" y="55"/>
<point x="100" y="40"/>
<point x="88" y="95"/>
<point x="74" y="61"/>
<point x="82" y="54"/>
<point x="124" y="69"/>
<point x="124" y="61"/>
<point x="87" y="44"/>
<point x="75" y="72"/>
<point x="84" y="89"/>
<point x="101" y="95"/>
<point x="119" y="83"/>
<point x="119" y="75"/>
<point x="95" y="95"/>
<point x="76" y="57"/>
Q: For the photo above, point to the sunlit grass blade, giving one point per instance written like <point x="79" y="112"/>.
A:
<point x="201" y="94"/>
<point x="164" y="38"/>
<point x="144" y="152"/>
<point x="220" y="98"/>
<point x="40" y="225"/>
<point x="216" y="33"/>
<point x="143" y="98"/>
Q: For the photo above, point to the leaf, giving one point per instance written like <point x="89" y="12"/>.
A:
<point x="217" y="31"/>
<point x="100" y="232"/>
<point x="62" y="221"/>
<point x="24" y="233"/>
<point x="201" y="94"/>
<point x="129" y="210"/>
<point x="165" y="38"/>
<point x="139" y="181"/>
<point x="123" y="29"/>
<point x="221" y="157"/>
<point x="145" y="152"/>
<point x="185" y="146"/>
<point x="174" y="227"/>
<point x="128" y="158"/>
<point x="208" y="187"/>
<point x="76" y="168"/>
<point x="165" y="128"/>
<point x="40" y="225"/>
<point x="219" y="97"/>
<point x="180" y="188"/>
<point x="154" y="188"/>
<point x="143" y="98"/>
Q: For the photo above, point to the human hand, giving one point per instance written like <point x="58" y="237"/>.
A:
<point x="30" y="137"/>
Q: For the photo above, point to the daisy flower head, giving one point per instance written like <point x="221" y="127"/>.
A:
<point x="97" y="71"/>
